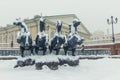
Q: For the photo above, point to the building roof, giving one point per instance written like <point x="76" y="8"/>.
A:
<point x="67" y="20"/>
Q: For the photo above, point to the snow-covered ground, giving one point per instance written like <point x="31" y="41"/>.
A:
<point x="100" y="69"/>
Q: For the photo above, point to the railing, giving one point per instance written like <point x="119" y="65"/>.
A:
<point x="93" y="42"/>
<point x="6" y="49"/>
<point x="16" y="52"/>
<point x="96" y="52"/>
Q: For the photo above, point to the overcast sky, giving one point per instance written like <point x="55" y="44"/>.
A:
<point x="93" y="13"/>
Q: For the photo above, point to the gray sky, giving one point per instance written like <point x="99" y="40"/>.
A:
<point x="93" y="13"/>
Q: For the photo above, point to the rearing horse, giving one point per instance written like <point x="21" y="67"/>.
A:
<point x="73" y="38"/>
<point x="24" y="38"/>
<point x="41" y="40"/>
<point x="57" y="40"/>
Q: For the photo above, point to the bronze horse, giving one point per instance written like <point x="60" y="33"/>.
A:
<point x="41" y="40"/>
<point x="73" y="39"/>
<point x="57" y="41"/>
<point x="24" y="38"/>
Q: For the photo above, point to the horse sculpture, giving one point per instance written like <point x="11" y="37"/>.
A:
<point x="73" y="39"/>
<point x="57" y="40"/>
<point x="24" y="38"/>
<point x="41" y="40"/>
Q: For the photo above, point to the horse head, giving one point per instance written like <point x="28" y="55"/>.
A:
<point x="76" y="22"/>
<point x="58" y="26"/>
<point x="22" y="24"/>
<point x="23" y="38"/>
<point x="74" y="26"/>
<point x="42" y="24"/>
<point x="41" y="38"/>
<point x="58" y="37"/>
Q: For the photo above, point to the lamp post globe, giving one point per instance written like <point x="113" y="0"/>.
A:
<point x="112" y="21"/>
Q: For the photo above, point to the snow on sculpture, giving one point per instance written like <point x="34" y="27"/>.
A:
<point x="73" y="39"/>
<point x="41" y="40"/>
<point x="23" y="37"/>
<point x="57" y="41"/>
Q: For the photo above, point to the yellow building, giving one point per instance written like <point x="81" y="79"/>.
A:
<point x="9" y="33"/>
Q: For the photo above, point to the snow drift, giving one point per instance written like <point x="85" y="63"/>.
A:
<point x="99" y="69"/>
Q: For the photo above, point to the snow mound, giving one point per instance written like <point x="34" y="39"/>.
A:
<point x="51" y="61"/>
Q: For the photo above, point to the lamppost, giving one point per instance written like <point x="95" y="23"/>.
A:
<point x="112" y="22"/>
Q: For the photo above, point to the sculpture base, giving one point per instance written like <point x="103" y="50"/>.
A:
<point x="53" y="62"/>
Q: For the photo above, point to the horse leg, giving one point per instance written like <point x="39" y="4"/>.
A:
<point x="50" y="49"/>
<point x="73" y="51"/>
<point x="31" y="48"/>
<point x="36" y="50"/>
<point x="22" y="51"/>
<point x="57" y="51"/>
<point x="44" y="50"/>
<point x="65" y="50"/>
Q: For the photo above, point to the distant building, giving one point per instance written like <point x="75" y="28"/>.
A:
<point x="9" y="33"/>
<point x="99" y="37"/>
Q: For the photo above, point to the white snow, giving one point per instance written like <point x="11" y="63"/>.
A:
<point x="101" y="69"/>
<point x="49" y="58"/>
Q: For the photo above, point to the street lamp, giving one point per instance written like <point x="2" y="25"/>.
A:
<point x="112" y="22"/>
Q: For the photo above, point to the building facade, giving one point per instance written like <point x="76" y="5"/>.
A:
<point x="99" y="37"/>
<point x="8" y="34"/>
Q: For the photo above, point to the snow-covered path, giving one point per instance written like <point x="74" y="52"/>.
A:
<point x="101" y="69"/>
